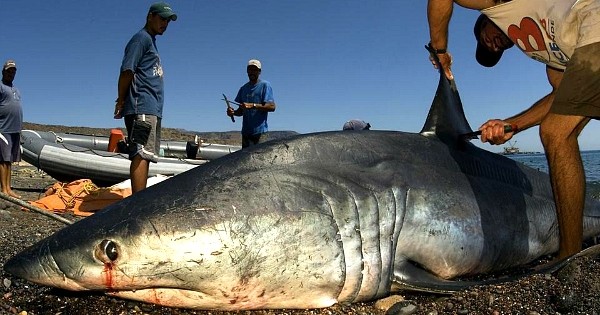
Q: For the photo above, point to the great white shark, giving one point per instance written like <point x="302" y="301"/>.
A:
<point x="314" y="220"/>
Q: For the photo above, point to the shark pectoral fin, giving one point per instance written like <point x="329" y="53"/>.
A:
<point x="408" y="276"/>
<point x="593" y="210"/>
<point x="553" y="266"/>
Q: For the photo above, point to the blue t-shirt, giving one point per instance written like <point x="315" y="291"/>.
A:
<point x="11" y="112"/>
<point x="146" y="92"/>
<point x="255" y="121"/>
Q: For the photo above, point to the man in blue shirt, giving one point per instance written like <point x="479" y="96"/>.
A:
<point x="141" y="93"/>
<point x="11" y="123"/>
<point x="256" y="101"/>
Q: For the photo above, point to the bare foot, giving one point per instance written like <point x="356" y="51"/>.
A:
<point x="12" y="194"/>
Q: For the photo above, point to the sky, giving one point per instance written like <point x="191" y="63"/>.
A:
<point x="327" y="61"/>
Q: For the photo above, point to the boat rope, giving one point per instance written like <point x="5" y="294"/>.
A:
<point x="60" y="141"/>
<point x="116" y="154"/>
<point x="24" y="204"/>
<point x="68" y="198"/>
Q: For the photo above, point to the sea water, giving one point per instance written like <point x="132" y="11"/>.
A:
<point x="591" y="165"/>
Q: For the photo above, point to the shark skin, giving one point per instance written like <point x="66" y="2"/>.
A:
<point x="314" y="220"/>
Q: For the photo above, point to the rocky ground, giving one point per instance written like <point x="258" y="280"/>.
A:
<point x="573" y="290"/>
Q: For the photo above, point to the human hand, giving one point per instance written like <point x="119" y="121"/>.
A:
<point x="248" y="105"/>
<point x="118" y="109"/>
<point x="230" y="111"/>
<point x="446" y="62"/>
<point x="497" y="131"/>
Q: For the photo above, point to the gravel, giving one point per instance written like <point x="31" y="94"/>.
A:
<point x="574" y="289"/>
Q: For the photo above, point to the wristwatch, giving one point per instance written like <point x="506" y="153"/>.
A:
<point x="437" y="51"/>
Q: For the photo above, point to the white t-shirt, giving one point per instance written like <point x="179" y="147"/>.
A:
<point x="548" y="30"/>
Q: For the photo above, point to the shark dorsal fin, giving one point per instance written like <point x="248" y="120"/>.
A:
<point x="446" y="119"/>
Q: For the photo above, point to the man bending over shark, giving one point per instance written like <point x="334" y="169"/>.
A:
<point x="565" y="36"/>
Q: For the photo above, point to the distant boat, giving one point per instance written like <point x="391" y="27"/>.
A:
<point x="56" y="155"/>
<point x="511" y="149"/>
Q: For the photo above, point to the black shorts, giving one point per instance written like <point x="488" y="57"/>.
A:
<point x="248" y="141"/>
<point x="149" y="150"/>
<point x="10" y="147"/>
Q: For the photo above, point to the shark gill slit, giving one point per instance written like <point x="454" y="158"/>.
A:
<point x="391" y="231"/>
<point x="346" y="226"/>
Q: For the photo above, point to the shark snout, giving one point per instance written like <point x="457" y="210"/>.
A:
<point x="24" y="265"/>
<point x="16" y="266"/>
<point x="37" y="265"/>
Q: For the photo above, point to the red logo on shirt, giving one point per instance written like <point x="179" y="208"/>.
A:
<point x="527" y="36"/>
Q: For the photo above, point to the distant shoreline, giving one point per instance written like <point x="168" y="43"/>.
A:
<point x="174" y="134"/>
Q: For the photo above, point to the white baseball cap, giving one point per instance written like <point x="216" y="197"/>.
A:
<point x="9" y="64"/>
<point x="254" y="62"/>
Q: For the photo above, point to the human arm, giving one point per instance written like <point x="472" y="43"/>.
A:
<point x="493" y="130"/>
<point x="125" y="79"/>
<point x="265" y="107"/>
<point x="237" y="101"/>
<point x="439" y="13"/>
<point x="135" y="49"/>
<point x="237" y="112"/>
<point x="267" y="102"/>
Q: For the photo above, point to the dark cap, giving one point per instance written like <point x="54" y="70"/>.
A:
<point x="484" y="56"/>
<point x="164" y="10"/>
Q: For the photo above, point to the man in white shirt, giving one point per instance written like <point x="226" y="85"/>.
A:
<point x="564" y="35"/>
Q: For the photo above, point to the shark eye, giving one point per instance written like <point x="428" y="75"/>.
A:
<point x="107" y="251"/>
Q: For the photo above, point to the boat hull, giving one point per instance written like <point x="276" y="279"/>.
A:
<point x="67" y="162"/>
<point x="169" y="148"/>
